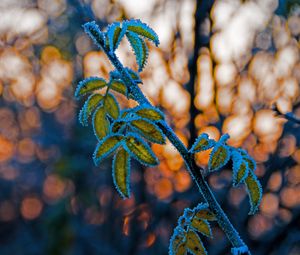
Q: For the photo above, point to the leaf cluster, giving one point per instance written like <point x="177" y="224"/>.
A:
<point x="243" y="166"/>
<point x="186" y="235"/>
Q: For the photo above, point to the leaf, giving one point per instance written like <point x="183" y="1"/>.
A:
<point x="201" y="226"/>
<point x="177" y="242"/>
<point x="125" y="112"/>
<point x="240" y="168"/>
<point x="138" y="48"/>
<point x="251" y="162"/>
<point x="205" y="214"/>
<point x="218" y="157"/>
<point x="92" y="29"/>
<point x="144" y="55"/>
<point x="181" y="250"/>
<point x="89" y="85"/>
<point x="111" y="106"/>
<point x="107" y="146"/>
<point x="134" y="76"/>
<point x="224" y="138"/>
<point x="194" y="244"/>
<point x="254" y="191"/>
<point x="115" y="35"/>
<point x="118" y="86"/>
<point x="184" y="237"/>
<point x="202" y="143"/>
<point x="117" y="126"/>
<point x="121" y="172"/>
<point x="140" y="150"/>
<point x="142" y="29"/>
<point x="100" y="123"/>
<point x="149" y="113"/>
<point x="240" y="173"/>
<point x="149" y="130"/>
<point x="89" y="106"/>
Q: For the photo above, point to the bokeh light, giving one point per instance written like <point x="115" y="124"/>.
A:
<point x="241" y="78"/>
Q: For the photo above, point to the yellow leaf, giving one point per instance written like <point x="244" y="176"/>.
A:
<point x="181" y="250"/>
<point x="202" y="143"/>
<point x="107" y="146"/>
<point x="118" y="86"/>
<point x="205" y="214"/>
<point x="111" y="106"/>
<point x="100" y="123"/>
<point x="90" y="104"/>
<point x="142" y="29"/>
<point x="140" y="150"/>
<point x="149" y="130"/>
<point x="201" y="226"/>
<point x="117" y="126"/>
<point x="254" y="190"/>
<point x="241" y="173"/>
<point x="218" y="157"/>
<point x="149" y="113"/>
<point x="121" y="165"/>
<point x="178" y="243"/>
<point x="194" y="244"/>
<point x="89" y="85"/>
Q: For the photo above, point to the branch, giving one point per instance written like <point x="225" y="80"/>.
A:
<point x="202" y="8"/>
<point x="193" y="169"/>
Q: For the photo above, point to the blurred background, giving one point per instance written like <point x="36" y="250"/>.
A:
<point x="226" y="66"/>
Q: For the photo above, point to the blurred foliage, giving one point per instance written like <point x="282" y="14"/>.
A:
<point x="55" y="201"/>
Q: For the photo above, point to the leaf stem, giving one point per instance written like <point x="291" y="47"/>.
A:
<point x="194" y="170"/>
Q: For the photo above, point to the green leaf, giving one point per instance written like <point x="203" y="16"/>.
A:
<point x="140" y="150"/>
<point x="150" y="113"/>
<point x="111" y="106"/>
<point x="194" y="244"/>
<point x="201" y="226"/>
<point x="100" y="123"/>
<point x="218" y="157"/>
<point x="202" y="143"/>
<point x="89" y="106"/>
<point x="89" y="85"/>
<point x="149" y="130"/>
<point x="142" y="29"/>
<point x="107" y="146"/>
<point x="254" y="190"/>
<point x="121" y="172"/>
